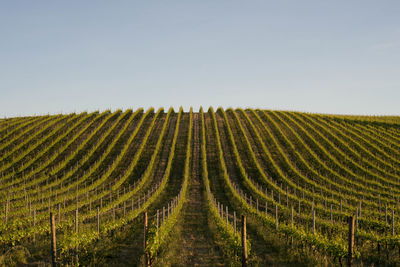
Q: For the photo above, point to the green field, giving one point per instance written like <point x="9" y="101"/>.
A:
<point x="296" y="177"/>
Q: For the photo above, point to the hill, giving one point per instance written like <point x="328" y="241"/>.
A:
<point x="296" y="177"/>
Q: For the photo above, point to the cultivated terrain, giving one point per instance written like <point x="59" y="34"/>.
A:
<point x="296" y="177"/>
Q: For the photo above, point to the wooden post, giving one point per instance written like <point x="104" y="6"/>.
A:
<point x="266" y="208"/>
<point x="385" y="214"/>
<point x="379" y="203"/>
<point x="356" y="222"/>
<point x="313" y="219"/>
<point x="393" y="222"/>
<point x="291" y="215"/>
<point x="351" y="221"/>
<point x="244" y="243"/>
<point x="59" y="212"/>
<point x="299" y="207"/>
<point x="163" y="214"/>
<point x="76" y="221"/>
<point x="157" y="222"/>
<point x="113" y="210"/>
<point x="226" y="213"/>
<point x="5" y="212"/>
<point x="331" y="215"/>
<point x="98" y="221"/>
<point x="34" y="216"/>
<point x="276" y="217"/>
<point x="53" y="240"/>
<point x="341" y="210"/>
<point x="287" y="197"/>
<point x="234" y="222"/>
<point x="147" y="258"/>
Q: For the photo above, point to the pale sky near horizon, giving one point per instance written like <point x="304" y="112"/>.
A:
<point x="338" y="57"/>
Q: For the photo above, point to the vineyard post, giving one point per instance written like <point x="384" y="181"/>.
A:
<point x="292" y="226"/>
<point x="299" y="207"/>
<point x="34" y="216"/>
<point x="5" y="212"/>
<point x="257" y="205"/>
<point x="291" y="215"/>
<point x="244" y="243"/>
<point x="276" y="217"/>
<point x="157" y="220"/>
<point x="393" y="222"/>
<point x="266" y="208"/>
<point x="163" y="214"/>
<point x="147" y="258"/>
<point x="351" y="222"/>
<point x="113" y="210"/>
<point x="76" y="221"/>
<point x="385" y="214"/>
<point x="356" y="223"/>
<point x="313" y="222"/>
<point x="234" y="222"/>
<point x="341" y="210"/>
<point x="53" y="240"/>
<point x="59" y="212"/>
<point x="226" y="215"/>
<point x="331" y="215"/>
<point x="379" y="203"/>
<point x="287" y="197"/>
<point x="98" y="221"/>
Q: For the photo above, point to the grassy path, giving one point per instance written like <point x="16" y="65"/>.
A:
<point x="192" y="243"/>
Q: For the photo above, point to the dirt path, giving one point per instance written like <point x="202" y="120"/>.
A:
<point x="194" y="242"/>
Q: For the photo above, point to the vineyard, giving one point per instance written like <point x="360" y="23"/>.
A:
<point x="228" y="187"/>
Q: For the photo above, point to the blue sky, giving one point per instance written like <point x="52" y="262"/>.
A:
<point x="315" y="56"/>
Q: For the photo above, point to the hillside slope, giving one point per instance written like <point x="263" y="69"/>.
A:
<point x="297" y="177"/>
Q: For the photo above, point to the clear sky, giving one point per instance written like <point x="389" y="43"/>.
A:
<point x="316" y="56"/>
